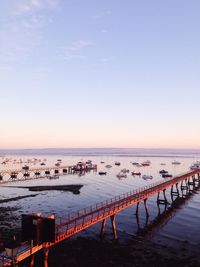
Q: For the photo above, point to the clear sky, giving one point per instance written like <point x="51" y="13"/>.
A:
<point x="100" y="73"/>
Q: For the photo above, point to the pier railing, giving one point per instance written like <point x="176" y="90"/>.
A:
<point x="117" y="202"/>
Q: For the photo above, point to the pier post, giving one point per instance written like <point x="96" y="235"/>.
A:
<point x="165" y="198"/>
<point x="114" y="226"/>
<point x="158" y="205"/>
<point x="184" y="187"/>
<point x="32" y="260"/>
<point x="158" y="197"/>
<point x="193" y="182"/>
<point x="138" y="222"/>
<point x="103" y="228"/>
<point x="46" y="254"/>
<point x="162" y="201"/>
<point x="146" y="209"/>
<point x="190" y="183"/>
<point x="176" y="192"/>
<point x="137" y="208"/>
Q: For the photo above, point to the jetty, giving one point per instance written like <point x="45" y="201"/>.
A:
<point x="82" y="219"/>
<point x="17" y="175"/>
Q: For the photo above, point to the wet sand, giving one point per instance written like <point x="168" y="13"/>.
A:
<point x="81" y="252"/>
<point x="74" y="188"/>
<point x="16" y="198"/>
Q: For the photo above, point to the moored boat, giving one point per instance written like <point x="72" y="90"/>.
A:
<point x="136" y="173"/>
<point x="195" y="165"/>
<point x="167" y="175"/>
<point x="163" y="171"/>
<point x="146" y="177"/>
<point x="124" y="170"/>
<point x="145" y="163"/>
<point x="102" y="173"/>
<point x="108" y="166"/>
<point x="121" y="175"/>
<point x="175" y="162"/>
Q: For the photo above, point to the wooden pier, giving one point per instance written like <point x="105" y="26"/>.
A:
<point x="80" y="220"/>
<point x="17" y="175"/>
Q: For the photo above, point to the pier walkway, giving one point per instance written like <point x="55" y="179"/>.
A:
<point x="80" y="220"/>
<point x="17" y="175"/>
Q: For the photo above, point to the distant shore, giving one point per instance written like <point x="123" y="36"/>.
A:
<point x="132" y="152"/>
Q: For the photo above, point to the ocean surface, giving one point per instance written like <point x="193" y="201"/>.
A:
<point x="180" y="225"/>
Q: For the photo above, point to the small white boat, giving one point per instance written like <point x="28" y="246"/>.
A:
<point x="195" y="165"/>
<point x="108" y="166"/>
<point x="53" y="177"/>
<point x="175" y="162"/>
<point x="121" y="175"/>
<point x="124" y="170"/>
<point x="134" y="163"/>
<point x="146" y="177"/>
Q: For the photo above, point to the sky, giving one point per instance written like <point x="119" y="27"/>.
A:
<point x="99" y="73"/>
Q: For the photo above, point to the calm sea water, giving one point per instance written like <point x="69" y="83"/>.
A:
<point x="182" y="224"/>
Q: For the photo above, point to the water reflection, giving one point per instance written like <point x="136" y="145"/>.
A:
<point x="166" y="215"/>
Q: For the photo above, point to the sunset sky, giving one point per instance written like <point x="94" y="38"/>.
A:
<point x="100" y="73"/>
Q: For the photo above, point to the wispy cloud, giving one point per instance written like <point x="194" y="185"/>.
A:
<point x="36" y="21"/>
<point x="105" y="59"/>
<point x="75" y="49"/>
<point x="101" y="15"/>
<point x="104" y="31"/>
<point x="79" y="45"/>
<point x="22" y="32"/>
<point x="26" y="6"/>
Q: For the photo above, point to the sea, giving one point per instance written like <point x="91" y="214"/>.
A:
<point x="180" y="224"/>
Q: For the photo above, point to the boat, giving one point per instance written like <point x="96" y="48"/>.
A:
<point x="42" y="164"/>
<point x="102" y="162"/>
<point x="175" y="162"/>
<point x="26" y="167"/>
<point x="146" y="163"/>
<point x="195" y="165"/>
<point x="139" y="165"/>
<point x="53" y="177"/>
<point x="102" y="173"/>
<point x="167" y="175"/>
<point x="117" y="163"/>
<point x="162" y="163"/>
<point x="163" y="171"/>
<point x="108" y="166"/>
<point x="124" y="170"/>
<point x="57" y="164"/>
<point x="136" y="173"/>
<point x="134" y="163"/>
<point x="89" y="162"/>
<point x="146" y="177"/>
<point x="121" y="175"/>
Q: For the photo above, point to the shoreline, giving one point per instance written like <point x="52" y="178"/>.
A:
<point x="81" y="252"/>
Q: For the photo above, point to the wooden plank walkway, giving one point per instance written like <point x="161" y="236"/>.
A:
<point x="80" y="220"/>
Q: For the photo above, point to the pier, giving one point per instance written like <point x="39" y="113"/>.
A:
<point x="17" y="175"/>
<point x="82" y="219"/>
